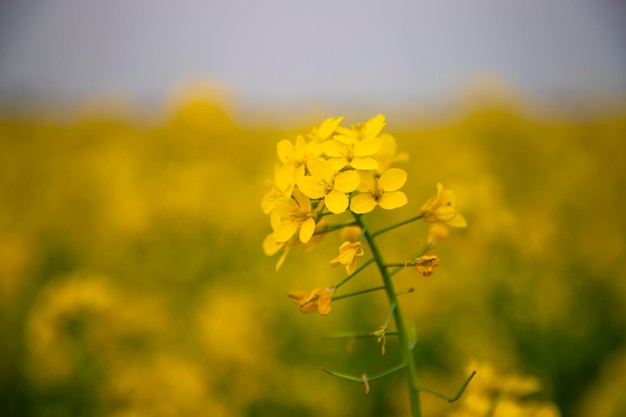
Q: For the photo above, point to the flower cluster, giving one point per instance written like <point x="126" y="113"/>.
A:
<point x="333" y="170"/>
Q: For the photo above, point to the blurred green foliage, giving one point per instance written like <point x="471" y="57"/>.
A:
<point x="132" y="280"/>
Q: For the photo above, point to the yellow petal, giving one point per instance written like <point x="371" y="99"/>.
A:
<point x="307" y="228"/>
<point x="284" y="150"/>
<point x="312" y="187"/>
<point x="324" y="300"/>
<point x="338" y="163"/>
<point x="374" y="125"/>
<point x="362" y="203"/>
<point x="333" y="148"/>
<point x="367" y="147"/>
<point x="392" y="200"/>
<point x="392" y="180"/>
<point x="368" y="182"/>
<point x="328" y="126"/>
<point x="439" y="189"/>
<point x="285" y="207"/>
<point x="304" y="203"/>
<point x="322" y="169"/>
<point x="336" y="201"/>
<point x="365" y="163"/>
<point x="346" y="139"/>
<point x="347" y="181"/>
<point x="271" y="246"/>
<point x="457" y="221"/>
<point x="286" y="228"/>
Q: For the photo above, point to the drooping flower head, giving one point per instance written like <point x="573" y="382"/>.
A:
<point x="348" y="252"/>
<point x="317" y="300"/>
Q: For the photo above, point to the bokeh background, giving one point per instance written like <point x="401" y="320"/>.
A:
<point x="135" y="141"/>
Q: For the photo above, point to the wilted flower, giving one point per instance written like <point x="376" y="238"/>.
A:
<point x="424" y="265"/>
<point x="317" y="300"/>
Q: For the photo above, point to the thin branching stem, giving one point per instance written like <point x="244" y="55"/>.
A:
<point x="356" y="336"/>
<point x="359" y="269"/>
<point x="394" y="226"/>
<point x="352" y="294"/>
<point x="403" y="334"/>
<point x="454" y="397"/>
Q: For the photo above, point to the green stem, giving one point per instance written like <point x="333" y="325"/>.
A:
<point x="403" y="334"/>
<point x="355" y="335"/>
<point x="394" y="226"/>
<point x="352" y="294"/>
<point x="334" y="227"/>
<point x="359" y="269"/>
<point x="448" y="398"/>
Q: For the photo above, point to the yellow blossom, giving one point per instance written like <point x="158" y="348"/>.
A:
<point x="348" y="251"/>
<point x="324" y="182"/>
<point x="326" y="129"/>
<point x="355" y="147"/>
<point x="379" y="191"/>
<point x="292" y="153"/>
<point x="442" y="208"/>
<point x="271" y="246"/>
<point x="388" y="154"/>
<point x="282" y="186"/>
<point x="291" y="215"/>
<point x="425" y="265"/>
<point x="317" y="300"/>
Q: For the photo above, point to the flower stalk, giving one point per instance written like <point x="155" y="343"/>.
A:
<point x="338" y="170"/>
<point x="406" y="350"/>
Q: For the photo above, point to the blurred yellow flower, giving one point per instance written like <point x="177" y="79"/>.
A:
<point x="326" y="129"/>
<point x="317" y="300"/>
<point x="324" y="182"/>
<point x="292" y="153"/>
<point x="442" y="208"/>
<point x="272" y="247"/>
<point x="379" y="191"/>
<point x="348" y="252"/>
<point x="437" y="233"/>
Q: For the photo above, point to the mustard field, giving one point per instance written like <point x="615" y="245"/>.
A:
<point x="133" y="278"/>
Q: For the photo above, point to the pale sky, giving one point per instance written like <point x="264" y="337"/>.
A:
<point x="284" y="50"/>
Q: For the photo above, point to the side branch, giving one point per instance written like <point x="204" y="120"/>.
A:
<point x="453" y="398"/>
<point x="394" y="226"/>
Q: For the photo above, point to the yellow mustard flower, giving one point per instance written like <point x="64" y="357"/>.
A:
<point x="317" y="300"/>
<point x="324" y="182"/>
<point x="292" y="153"/>
<point x="272" y="247"/>
<point x="442" y="208"/>
<point x="379" y="191"/>
<point x="388" y="153"/>
<point x="326" y="129"/>
<point x="348" y="252"/>
<point x="355" y="147"/>
<point x="284" y="180"/>
<point x="293" y="214"/>
<point x="424" y="265"/>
